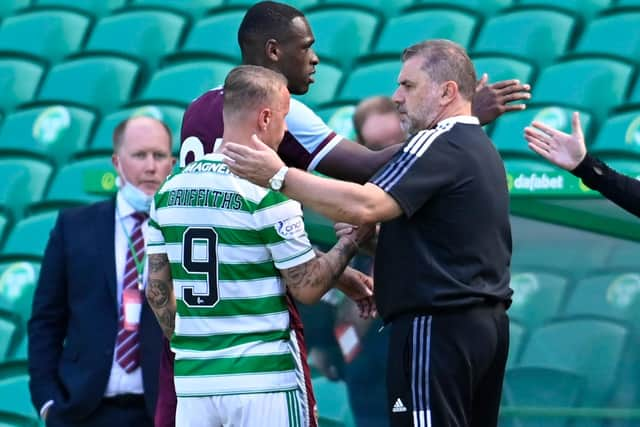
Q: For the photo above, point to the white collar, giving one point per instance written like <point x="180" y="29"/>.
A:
<point x="217" y="144"/>
<point x="467" y="120"/>
<point x="123" y="208"/>
<point x="215" y="154"/>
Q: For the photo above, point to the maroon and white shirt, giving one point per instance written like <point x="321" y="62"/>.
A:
<point x="305" y="144"/>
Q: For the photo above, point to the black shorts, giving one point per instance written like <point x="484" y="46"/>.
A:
<point x="446" y="369"/>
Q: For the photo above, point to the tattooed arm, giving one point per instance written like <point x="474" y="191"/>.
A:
<point x="308" y="282"/>
<point x="159" y="293"/>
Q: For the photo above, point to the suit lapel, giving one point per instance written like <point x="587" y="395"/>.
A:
<point x="106" y="238"/>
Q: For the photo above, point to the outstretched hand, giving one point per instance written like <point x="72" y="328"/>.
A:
<point x="492" y="100"/>
<point x="560" y="148"/>
<point x="256" y="163"/>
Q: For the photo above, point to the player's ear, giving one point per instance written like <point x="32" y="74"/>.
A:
<point x="449" y="91"/>
<point x="264" y="118"/>
<point x="272" y="50"/>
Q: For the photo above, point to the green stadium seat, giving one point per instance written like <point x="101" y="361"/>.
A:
<point x="579" y="84"/>
<point x="21" y="351"/>
<point x="100" y="82"/>
<point x="182" y="83"/>
<point x="485" y="8"/>
<point x="612" y="35"/>
<point x="94" y="8"/>
<point x="610" y="295"/>
<point x="623" y="255"/>
<point x="537" y="297"/>
<point x="86" y="180"/>
<point x="13" y="420"/>
<point x="413" y="27"/>
<point x="24" y="182"/>
<point x="384" y="7"/>
<point x="569" y="345"/>
<point x="4" y="226"/>
<point x="516" y="339"/>
<point x="369" y="79"/>
<point x="47" y="35"/>
<point x="193" y="8"/>
<point x="144" y="35"/>
<point x="19" y="80"/>
<point x="619" y="135"/>
<point x="550" y="250"/>
<point x="319" y="228"/>
<point x="55" y="132"/>
<point x="15" y="397"/>
<point x="18" y="281"/>
<point x="9" y="7"/>
<point x="212" y="36"/>
<point x="585" y="9"/>
<point x="634" y="98"/>
<point x="333" y="402"/>
<point x="169" y="114"/>
<point x="298" y="4"/>
<point x="29" y="236"/>
<point x="8" y="329"/>
<point x="103" y="139"/>
<point x="508" y="133"/>
<point x="339" y="118"/>
<point x="540" y="387"/>
<point x="538" y="36"/>
<point x="503" y="68"/>
<point x="627" y="3"/>
<point x="342" y="33"/>
<point x="327" y="80"/>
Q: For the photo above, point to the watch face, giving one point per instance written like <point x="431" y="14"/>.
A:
<point x="275" y="183"/>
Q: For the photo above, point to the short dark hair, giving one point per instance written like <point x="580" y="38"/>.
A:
<point x="118" y="132"/>
<point x="369" y="106"/>
<point x="263" y="21"/>
<point x="445" y="60"/>
<point x="250" y="85"/>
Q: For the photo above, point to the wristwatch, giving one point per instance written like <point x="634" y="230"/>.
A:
<point x="277" y="180"/>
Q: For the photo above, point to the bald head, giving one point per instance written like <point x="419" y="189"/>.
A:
<point x="136" y="127"/>
<point x="377" y="123"/>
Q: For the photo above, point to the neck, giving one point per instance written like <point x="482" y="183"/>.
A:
<point x="239" y="134"/>
<point x="456" y="108"/>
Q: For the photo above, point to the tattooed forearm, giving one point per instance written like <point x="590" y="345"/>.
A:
<point x="309" y="281"/>
<point x="159" y="293"/>
<point x="157" y="262"/>
<point x="167" y="322"/>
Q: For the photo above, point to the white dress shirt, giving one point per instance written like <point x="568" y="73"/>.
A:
<point x="121" y="382"/>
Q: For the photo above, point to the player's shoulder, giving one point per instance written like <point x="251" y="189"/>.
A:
<point x="209" y="99"/>
<point x="300" y="112"/>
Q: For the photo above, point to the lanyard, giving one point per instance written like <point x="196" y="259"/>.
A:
<point x="138" y="262"/>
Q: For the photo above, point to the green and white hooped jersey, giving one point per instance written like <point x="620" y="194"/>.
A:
<point x="226" y="240"/>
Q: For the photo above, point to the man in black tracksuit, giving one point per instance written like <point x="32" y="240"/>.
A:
<point x="444" y="250"/>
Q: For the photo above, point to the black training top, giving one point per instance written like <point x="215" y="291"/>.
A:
<point x="452" y="246"/>
<point x="622" y="190"/>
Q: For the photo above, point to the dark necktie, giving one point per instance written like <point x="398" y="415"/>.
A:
<point x="128" y="343"/>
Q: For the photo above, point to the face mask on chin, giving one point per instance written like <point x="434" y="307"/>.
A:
<point x="138" y="199"/>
